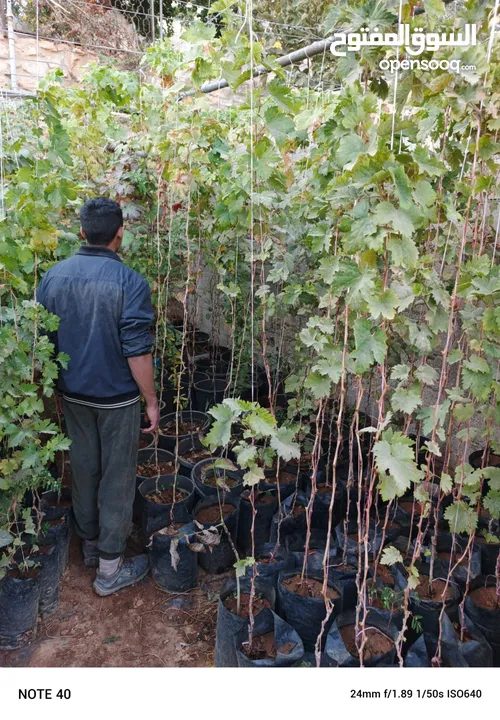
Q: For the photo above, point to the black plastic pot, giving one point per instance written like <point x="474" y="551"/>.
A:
<point x="220" y="557"/>
<point x="278" y="561"/>
<point x="48" y="556"/>
<point x="489" y="556"/>
<point x="350" y="544"/>
<point x="206" y="469"/>
<point x="322" y="500"/>
<point x="288" y="645"/>
<point x="461" y="574"/>
<point x="208" y="393"/>
<point x="228" y="624"/>
<point x="486" y="620"/>
<point x="306" y="614"/>
<point x="168" y="442"/>
<point x="56" y="504"/>
<point x="475" y="652"/>
<point x="19" y="597"/>
<point x="158" y="515"/>
<point x="410" y="517"/>
<point x="299" y="483"/>
<point x="293" y="527"/>
<point x="59" y="531"/>
<point x="214" y="368"/>
<point x="476" y="459"/>
<point x="174" y="566"/>
<point x="336" y="652"/>
<point x="266" y="503"/>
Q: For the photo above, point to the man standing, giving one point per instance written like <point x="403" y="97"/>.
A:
<point x="105" y="316"/>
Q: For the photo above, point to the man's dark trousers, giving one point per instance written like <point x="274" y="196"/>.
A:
<point x="103" y="457"/>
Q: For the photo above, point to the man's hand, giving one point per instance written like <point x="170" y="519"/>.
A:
<point x="152" y="415"/>
<point x="141" y="368"/>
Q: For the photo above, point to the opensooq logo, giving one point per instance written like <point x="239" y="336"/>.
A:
<point x="415" y="43"/>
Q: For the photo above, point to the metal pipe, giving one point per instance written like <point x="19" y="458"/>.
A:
<point x="316" y="48"/>
<point x="12" y="46"/>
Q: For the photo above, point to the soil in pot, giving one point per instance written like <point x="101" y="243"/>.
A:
<point x="263" y="648"/>
<point x="212" y="514"/>
<point x="194" y="456"/>
<point x="376" y="642"/>
<point x="486" y="597"/>
<point x="184" y="428"/>
<point x="159" y="508"/>
<point x="384" y="574"/>
<point x="434" y="592"/>
<point x="309" y="588"/>
<point x="214" y="481"/>
<point x="166" y="497"/>
<point x="259" y="603"/>
<point x="152" y="469"/>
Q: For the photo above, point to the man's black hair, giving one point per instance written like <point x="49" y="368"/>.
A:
<point x="101" y="219"/>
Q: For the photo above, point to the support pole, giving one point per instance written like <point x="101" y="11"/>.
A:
<point x="12" y="46"/>
<point x="152" y="6"/>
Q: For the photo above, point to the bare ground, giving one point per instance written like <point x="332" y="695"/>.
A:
<point x="139" y="626"/>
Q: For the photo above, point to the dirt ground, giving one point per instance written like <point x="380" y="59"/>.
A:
<point x="139" y="626"/>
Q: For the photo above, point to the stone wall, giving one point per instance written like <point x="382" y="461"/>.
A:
<point x="33" y="63"/>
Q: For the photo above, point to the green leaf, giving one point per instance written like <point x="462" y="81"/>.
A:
<point x="402" y="186"/>
<point x="245" y="454"/>
<point x="241" y="565"/>
<point x="320" y="385"/>
<point x="407" y="400"/>
<point x="391" y="556"/>
<point x="5" y="538"/>
<point x="461" y="518"/>
<point x="426" y="374"/>
<point x="261" y="422"/>
<point x="387" y="214"/>
<point x="283" y="96"/>
<point x="350" y="148"/>
<point x="463" y="413"/>
<point x="370" y="347"/>
<point x="383" y="305"/>
<point x="424" y="193"/>
<point x="431" y="166"/>
<point x="283" y="443"/>
<point x="404" y="251"/>
<point x="395" y="461"/>
<point x="446" y="483"/>
<point x="400" y="372"/>
<point x="254" y="475"/>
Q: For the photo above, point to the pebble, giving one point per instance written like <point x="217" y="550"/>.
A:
<point x="90" y="632"/>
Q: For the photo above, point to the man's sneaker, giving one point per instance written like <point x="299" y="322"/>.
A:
<point x="130" y="571"/>
<point x="90" y="554"/>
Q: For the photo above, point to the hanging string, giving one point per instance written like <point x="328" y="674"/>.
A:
<point x="249" y="8"/>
